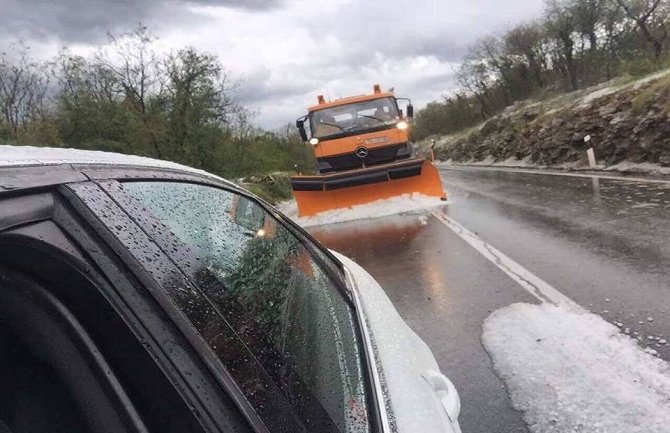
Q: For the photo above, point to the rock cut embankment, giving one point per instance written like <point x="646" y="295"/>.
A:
<point x="626" y="123"/>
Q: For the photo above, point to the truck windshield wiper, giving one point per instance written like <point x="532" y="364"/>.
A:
<point x="373" y="117"/>
<point x="332" y="124"/>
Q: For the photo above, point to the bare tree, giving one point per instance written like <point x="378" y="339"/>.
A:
<point x="651" y="18"/>
<point x="615" y="27"/>
<point x="560" y="23"/>
<point x="23" y="88"/>
<point x="133" y="62"/>
<point x="491" y="52"/>
<point x="474" y="76"/>
<point x="526" y="42"/>
<point x="587" y="16"/>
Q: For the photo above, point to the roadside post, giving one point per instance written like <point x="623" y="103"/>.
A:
<point x="590" y="152"/>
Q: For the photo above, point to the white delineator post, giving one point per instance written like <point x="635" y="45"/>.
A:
<point x="590" y="153"/>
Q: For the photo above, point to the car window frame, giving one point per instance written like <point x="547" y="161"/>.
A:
<point x="98" y="173"/>
<point x="276" y="405"/>
<point x="76" y="347"/>
<point x="81" y="242"/>
<point x="173" y="363"/>
<point x="124" y="199"/>
<point x="38" y="229"/>
<point x="374" y="395"/>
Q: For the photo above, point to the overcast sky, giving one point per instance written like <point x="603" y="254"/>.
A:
<point x="286" y="51"/>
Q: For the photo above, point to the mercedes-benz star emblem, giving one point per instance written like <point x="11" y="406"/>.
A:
<point x="362" y="152"/>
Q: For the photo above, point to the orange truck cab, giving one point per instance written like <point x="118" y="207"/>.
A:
<point x="363" y="151"/>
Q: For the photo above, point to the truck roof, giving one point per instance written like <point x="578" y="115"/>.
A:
<point x="350" y="100"/>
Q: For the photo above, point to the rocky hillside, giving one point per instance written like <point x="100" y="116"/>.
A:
<point x="627" y="122"/>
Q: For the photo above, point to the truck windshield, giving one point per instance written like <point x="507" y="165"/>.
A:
<point x="354" y="117"/>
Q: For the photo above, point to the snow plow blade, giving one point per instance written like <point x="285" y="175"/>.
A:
<point x="315" y="194"/>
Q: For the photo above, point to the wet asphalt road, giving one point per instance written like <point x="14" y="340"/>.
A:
<point x="605" y="243"/>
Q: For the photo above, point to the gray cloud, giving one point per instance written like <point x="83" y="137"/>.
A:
<point x="256" y="88"/>
<point x="288" y="51"/>
<point x="88" y="21"/>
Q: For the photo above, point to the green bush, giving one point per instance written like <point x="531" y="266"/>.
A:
<point x="640" y="67"/>
<point x="272" y="188"/>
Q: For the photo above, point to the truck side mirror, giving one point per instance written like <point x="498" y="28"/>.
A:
<point x="410" y="111"/>
<point x="300" y="124"/>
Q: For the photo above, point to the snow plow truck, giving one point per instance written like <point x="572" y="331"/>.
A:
<point x="363" y="150"/>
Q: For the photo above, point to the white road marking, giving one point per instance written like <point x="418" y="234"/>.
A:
<point x="526" y="279"/>
<point x="554" y="173"/>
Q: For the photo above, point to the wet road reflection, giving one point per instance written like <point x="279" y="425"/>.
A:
<point x="605" y="243"/>
<point x="608" y="248"/>
<point x="444" y="290"/>
<point x="635" y="212"/>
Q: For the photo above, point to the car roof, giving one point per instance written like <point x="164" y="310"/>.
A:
<point x="23" y="156"/>
<point x="25" y="167"/>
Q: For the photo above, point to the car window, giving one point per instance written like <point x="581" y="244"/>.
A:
<point x="268" y="287"/>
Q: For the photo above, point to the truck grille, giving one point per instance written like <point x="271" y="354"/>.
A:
<point x="376" y="156"/>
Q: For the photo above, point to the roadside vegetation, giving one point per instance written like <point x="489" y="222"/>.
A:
<point x="575" y="45"/>
<point x="274" y="187"/>
<point x="129" y="97"/>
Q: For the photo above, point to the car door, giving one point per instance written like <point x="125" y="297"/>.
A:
<point x="278" y="327"/>
<point x="75" y="351"/>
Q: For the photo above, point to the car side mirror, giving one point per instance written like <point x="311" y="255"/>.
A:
<point x="300" y="124"/>
<point x="410" y="111"/>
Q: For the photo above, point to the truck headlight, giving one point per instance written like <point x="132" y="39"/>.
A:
<point x="314" y="141"/>
<point x="402" y="125"/>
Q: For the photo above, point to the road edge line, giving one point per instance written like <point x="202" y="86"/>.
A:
<point x="533" y="284"/>
<point x="623" y="178"/>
